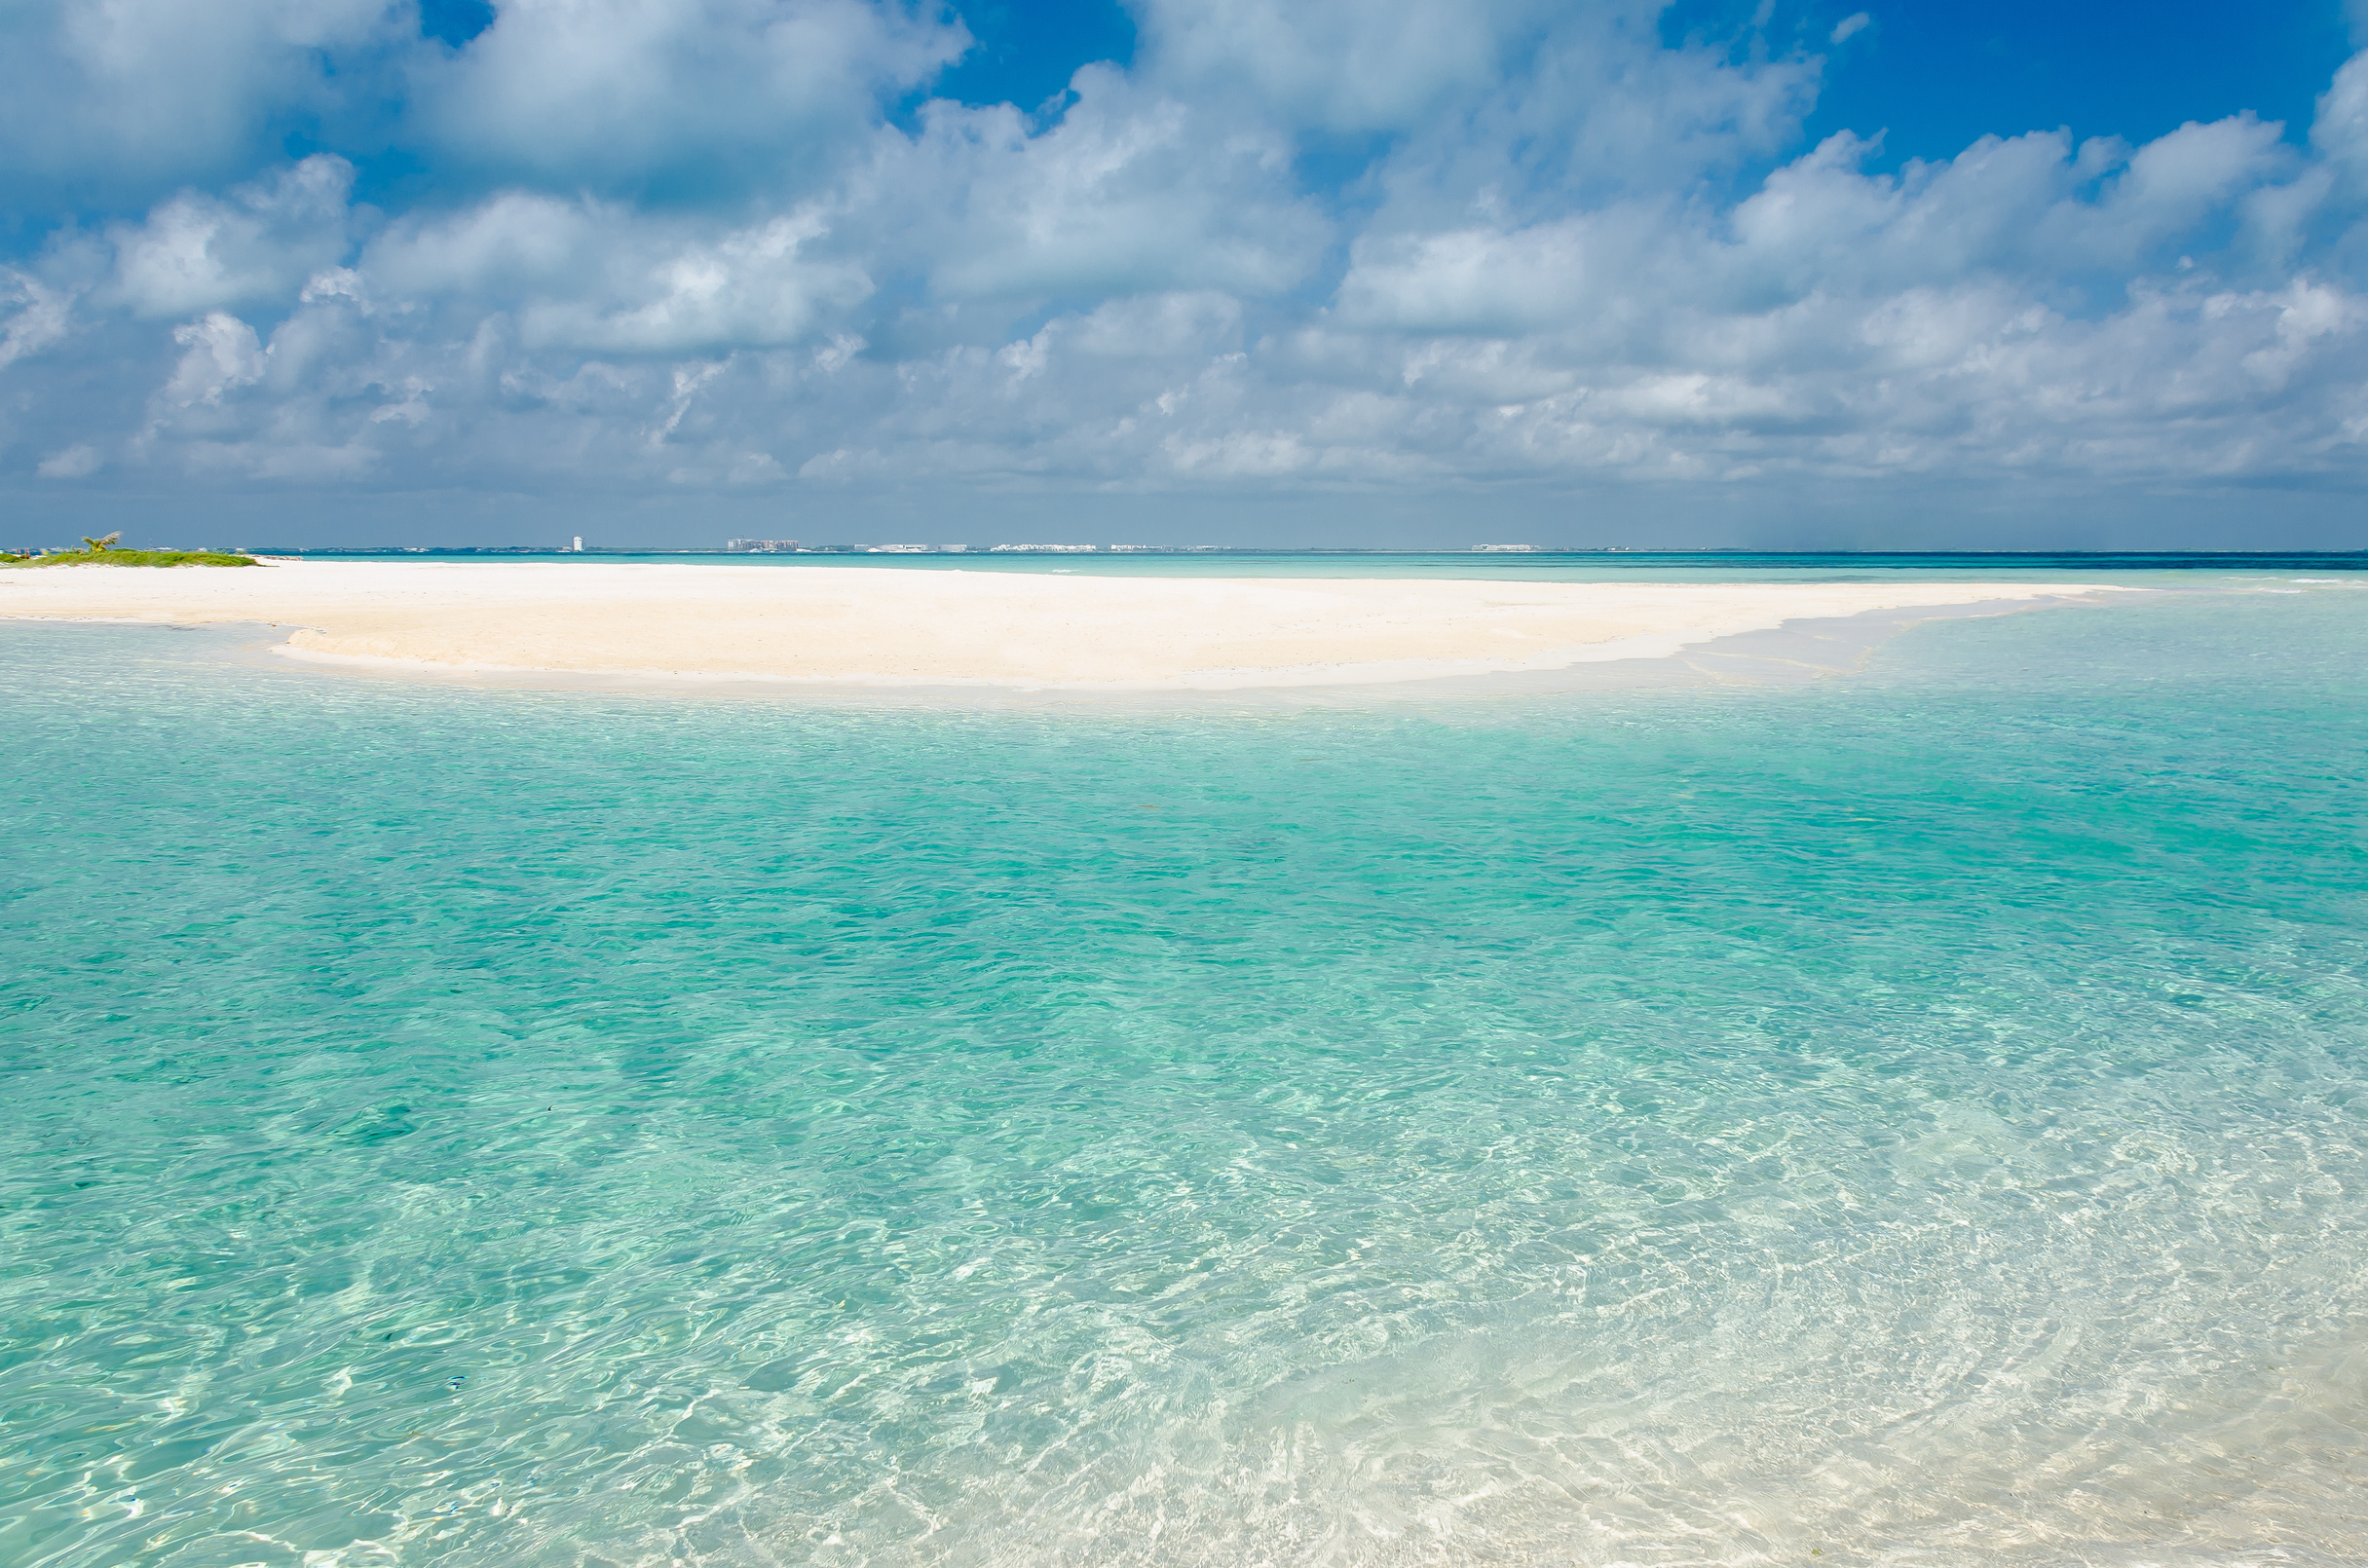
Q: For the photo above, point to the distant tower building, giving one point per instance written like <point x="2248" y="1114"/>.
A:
<point x="578" y="544"/>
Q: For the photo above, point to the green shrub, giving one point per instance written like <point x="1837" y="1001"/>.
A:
<point x="108" y="555"/>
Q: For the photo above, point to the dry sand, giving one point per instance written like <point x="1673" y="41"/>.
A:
<point x="829" y="624"/>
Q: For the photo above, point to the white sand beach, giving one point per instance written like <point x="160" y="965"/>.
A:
<point x="1036" y="631"/>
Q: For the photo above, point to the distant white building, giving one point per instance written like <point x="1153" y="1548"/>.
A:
<point x="1048" y="549"/>
<point x="578" y="547"/>
<point x="1505" y="549"/>
<point x="761" y="546"/>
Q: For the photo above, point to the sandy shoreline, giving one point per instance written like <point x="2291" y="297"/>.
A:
<point x="884" y="628"/>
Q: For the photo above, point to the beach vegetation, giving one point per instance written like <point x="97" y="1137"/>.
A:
<point x="105" y="551"/>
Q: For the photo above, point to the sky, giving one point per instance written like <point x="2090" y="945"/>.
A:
<point x="1772" y="273"/>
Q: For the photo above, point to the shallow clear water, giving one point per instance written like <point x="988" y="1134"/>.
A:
<point x="1916" y="1118"/>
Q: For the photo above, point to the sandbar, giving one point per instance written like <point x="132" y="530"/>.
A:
<point x="899" y="627"/>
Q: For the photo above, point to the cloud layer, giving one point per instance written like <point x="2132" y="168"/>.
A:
<point x="1483" y="264"/>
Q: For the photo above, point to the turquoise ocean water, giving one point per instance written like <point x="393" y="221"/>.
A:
<point x="1920" y="1117"/>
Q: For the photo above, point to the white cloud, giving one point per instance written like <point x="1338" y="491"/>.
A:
<point x="600" y="276"/>
<point x="516" y="241"/>
<point x="746" y="289"/>
<point x="2339" y="132"/>
<point x="36" y="315"/>
<point x="607" y="92"/>
<point x="1339" y="64"/>
<point x="2177" y="181"/>
<point x="219" y="353"/>
<point x="110" y="91"/>
<point x="1160" y="326"/>
<point x="198" y="252"/>
<point x="1132" y="192"/>
<point x="1487" y="282"/>
<point x="74" y="463"/>
<point x="1594" y="112"/>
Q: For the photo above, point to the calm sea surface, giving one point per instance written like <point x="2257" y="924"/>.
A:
<point x="1920" y="1117"/>
<point x="1551" y="566"/>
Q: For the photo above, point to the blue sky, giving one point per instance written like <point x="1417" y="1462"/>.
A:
<point x="663" y="271"/>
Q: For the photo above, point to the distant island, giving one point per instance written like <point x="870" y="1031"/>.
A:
<point x="105" y="552"/>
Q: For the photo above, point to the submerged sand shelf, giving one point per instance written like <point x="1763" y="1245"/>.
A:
<point x="886" y="626"/>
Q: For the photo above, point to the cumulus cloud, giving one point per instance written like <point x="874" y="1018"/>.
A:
<point x="1132" y="192"/>
<point x="1338" y="64"/>
<point x="36" y="315"/>
<point x="74" y="463"/>
<point x="197" y="251"/>
<point x="685" y="247"/>
<point x="220" y="353"/>
<point x="1487" y="282"/>
<point x="587" y="275"/>
<point x="698" y="93"/>
<point x="123" y="95"/>
<point x="2339" y="132"/>
<point x="747" y="289"/>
